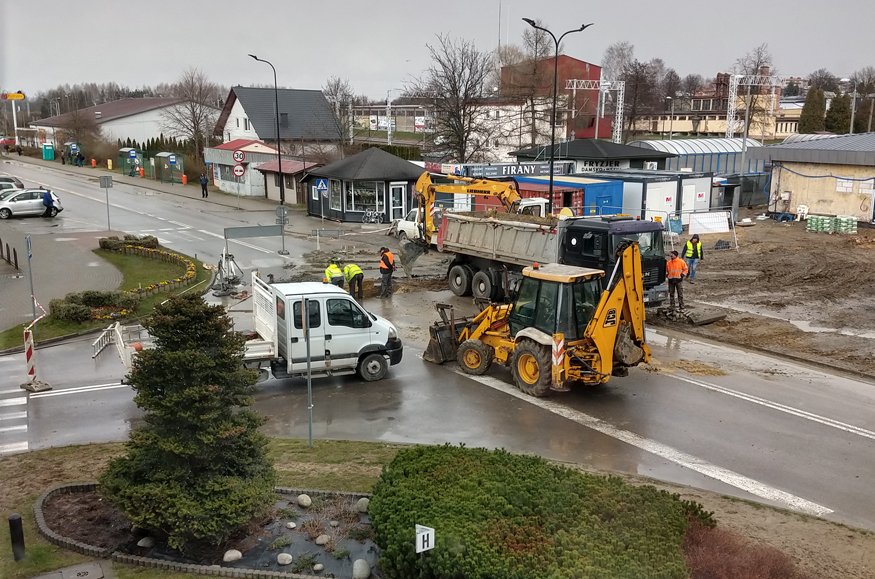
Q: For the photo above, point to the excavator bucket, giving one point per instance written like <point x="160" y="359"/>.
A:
<point x="444" y="336"/>
<point x="409" y="252"/>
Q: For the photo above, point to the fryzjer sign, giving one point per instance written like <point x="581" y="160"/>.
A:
<point x="514" y="169"/>
<point x="593" y="165"/>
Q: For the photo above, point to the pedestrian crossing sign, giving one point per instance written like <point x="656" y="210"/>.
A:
<point x="322" y="185"/>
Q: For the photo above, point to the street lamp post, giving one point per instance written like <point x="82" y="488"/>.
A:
<point x="853" y="102"/>
<point x="279" y="154"/>
<point x="556" y="41"/>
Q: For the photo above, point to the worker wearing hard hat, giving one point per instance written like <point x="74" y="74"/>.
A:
<point x="354" y="277"/>
<point x="333" y="273"/>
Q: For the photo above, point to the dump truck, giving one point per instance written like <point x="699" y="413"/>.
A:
<point x="563" y="327"/>
<point x="492" y="249"/>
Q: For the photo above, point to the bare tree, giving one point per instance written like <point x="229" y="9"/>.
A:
<point x="640" y="85"/>
<point x="455" y="81"/>
<point x="824" y="80"/>
<point x="340" y="96"/>
<point x="80" y="127"/>
<point x="194" y="117"/>
<point x="691" y="84"/>
<point x="865" y="79"/>
<point x="757" y="61"/>
<point x="617" y="59"/>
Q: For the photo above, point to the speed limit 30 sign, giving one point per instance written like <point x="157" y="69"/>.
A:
<point x="239" y="156"/>
<point x="239" y="170"/>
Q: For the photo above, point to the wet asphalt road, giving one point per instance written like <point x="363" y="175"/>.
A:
<point x="778" y="433"/>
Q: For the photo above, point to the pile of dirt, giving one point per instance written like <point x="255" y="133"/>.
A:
<point x="88" y="518"/>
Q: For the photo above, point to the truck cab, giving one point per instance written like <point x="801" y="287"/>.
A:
<point x="344" y="338"/>
<point x="593" y="242"/>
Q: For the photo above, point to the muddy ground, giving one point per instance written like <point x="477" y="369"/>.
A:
<point x="802" y="295"/>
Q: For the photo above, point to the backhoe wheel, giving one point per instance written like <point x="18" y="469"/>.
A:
<point x="460" y="280"/>
<point x="531" y="368"/>
<point x="483" y="286"/>
<point x="475" y="357"/>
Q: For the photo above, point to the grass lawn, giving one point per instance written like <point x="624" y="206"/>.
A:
<point x="136" y="271"/>
<point x="336" y="465"/>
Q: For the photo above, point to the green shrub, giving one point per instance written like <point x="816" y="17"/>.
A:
<point x="73" y="298"/>
<point x="70" y="312"/>
<point x="113" y="243"/>
<point x="110" y="243"/>
<point x="501" y="515"/>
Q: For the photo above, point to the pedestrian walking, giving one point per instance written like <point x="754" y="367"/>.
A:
<point x="333" y="273"/>
<point x="48" y="203"/>
<point x="675" y="271"/>
<point x="6" y="148"/>
<point x="387" y="268"/>
<point x="63" y="159"/>
<point x="18" y="149"/>
<point x="354" y="277"/>
<point x="693" y="255"/>
<point x="204" y="182"/>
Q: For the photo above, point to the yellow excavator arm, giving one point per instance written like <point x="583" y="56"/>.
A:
<point x="426" y="190"/>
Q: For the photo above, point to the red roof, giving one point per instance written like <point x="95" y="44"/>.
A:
<point x="240" y="143"/>
<point x="288" y="168"/>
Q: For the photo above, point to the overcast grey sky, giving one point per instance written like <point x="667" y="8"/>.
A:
<point x="377" y="44"/>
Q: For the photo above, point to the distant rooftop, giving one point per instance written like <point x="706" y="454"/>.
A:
<point x="109" y="111"/>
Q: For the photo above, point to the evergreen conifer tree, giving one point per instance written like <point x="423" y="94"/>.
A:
<point x="811" y="118"/>
<point x="838" y="117"/>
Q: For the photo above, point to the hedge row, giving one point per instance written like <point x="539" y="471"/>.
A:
<point x="84" y="306"/>
<point x="498" y="515"/>
<point x="116" y="244"/>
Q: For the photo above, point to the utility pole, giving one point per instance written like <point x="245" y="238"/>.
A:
<point x="736" y="199"/>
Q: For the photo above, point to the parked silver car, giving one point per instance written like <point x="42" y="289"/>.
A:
<point x="10" y="181"/>
<point x="21" y="203"/>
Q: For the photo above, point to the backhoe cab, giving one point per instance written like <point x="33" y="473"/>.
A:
<point x="562" y="327"/>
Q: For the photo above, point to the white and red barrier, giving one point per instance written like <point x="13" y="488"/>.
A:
<point x="32" y="384"/>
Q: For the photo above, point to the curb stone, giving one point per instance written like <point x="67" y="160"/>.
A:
<point x="126" y="559"/>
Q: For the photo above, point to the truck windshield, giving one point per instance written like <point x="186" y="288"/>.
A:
<point x="649" y="242"/>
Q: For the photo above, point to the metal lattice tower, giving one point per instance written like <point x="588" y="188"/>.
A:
<point x="602" y="86"/>
<point x="732" y="124"/>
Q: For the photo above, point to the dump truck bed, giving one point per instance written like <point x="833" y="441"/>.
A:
<point x="517" y="239"/>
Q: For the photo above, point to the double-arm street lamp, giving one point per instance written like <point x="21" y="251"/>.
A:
<point x="556" y="41"/>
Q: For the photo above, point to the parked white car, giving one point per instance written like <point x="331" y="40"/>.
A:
<point x="408" y="227"/>
<point x="25" y="202"/>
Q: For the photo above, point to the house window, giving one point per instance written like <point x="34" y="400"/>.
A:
<point x="238" y="123"/>
<point x="697" y="105"/>
<point x="364" y="195"/>
<point x="276" y="180"/>
<point x="290" y="182"/>
<point x="246" y="124"/>
<point x="497" y="114"/>
<point x="335" y="198"/>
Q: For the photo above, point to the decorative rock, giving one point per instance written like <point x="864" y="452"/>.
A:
<point x="361" y="569"/>
<point x="362" y="505"/>
<point x="318" y="567"/>
<point x="322" y="540"/>
<point x="232" y="555"/>
<point x="146" y="542"/>
<point x="291" y="525"/>
<point x="304" y="501"/>
<point x="334" y="524"/>
<point x="284" y="559"/>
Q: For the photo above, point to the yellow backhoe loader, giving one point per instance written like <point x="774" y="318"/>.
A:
<point x="561" y="328"/>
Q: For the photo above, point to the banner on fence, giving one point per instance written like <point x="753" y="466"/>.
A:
<point x="712" y="222"/>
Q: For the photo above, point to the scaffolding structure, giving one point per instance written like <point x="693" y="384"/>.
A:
<point x="748" y="80"/>
<point x="603" y="86"/>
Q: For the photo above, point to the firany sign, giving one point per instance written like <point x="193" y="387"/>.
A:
<point x="515" y="169"/>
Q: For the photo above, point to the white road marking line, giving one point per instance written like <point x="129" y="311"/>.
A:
<point x="170" y="229"/>
<point x="664" y="451"/>
<point x="179" y="224"/>
<point x="20" y="401"/>
<point x="163" y="241"/>
<point x="9" y="359"/>
<point x="14" y="416"/>
<point x="146" y="230"/>
<point x="79" y="390"/>
<point x="243" y="243"/>
<point x="14" y="447"/>
<point x="781" y="407"/>
<point x="13" y="428"/>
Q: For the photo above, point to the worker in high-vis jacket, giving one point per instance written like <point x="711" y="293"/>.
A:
<point x="354" y="277"/>
<point x="333" y="273"/>
<point x="693" y="255"/>
<point x="387" y="268"/>
<point x="675" y="271"/>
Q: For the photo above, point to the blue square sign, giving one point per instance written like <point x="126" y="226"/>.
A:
<point x="133" y="154"/>
<point x="172" y="159"/>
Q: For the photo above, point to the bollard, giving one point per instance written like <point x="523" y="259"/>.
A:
<point x="109" y="164"/>
<point x="142" y="173"/>
<point x="93" y="163"/>
<point x="14" y="256"/>
<point x="185" y="180"/>
<point x="16" y="533"/>
<point x="1" y="250"/>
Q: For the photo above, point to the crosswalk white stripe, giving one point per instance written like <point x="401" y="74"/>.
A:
<point x="13" y="447"/>
<point x="80" y="390"/>
<point x="13" y="416"/>
<point x="13" y="428"/>
<point x="20" y="401"/>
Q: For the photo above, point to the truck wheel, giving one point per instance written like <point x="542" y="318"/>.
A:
<point x="460" y="280"/>
<point x="373" y="367"/>
<point x="475" y="357"/>
<point x="531" y="368"/>
<point x="483" y="285"/>
<point x="402" y="236"/>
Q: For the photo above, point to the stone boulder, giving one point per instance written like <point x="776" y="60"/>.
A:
<point x="361" y="569"/>
<point x="291" y="525"/>
<point x="318" y="567"/>
<point x="304" y="501"/>
<point x="284" y="559"/>
<point x="232" y="555"/>
<point x="322" y="540"/>
<point x="362" y="505"/>
<point x="146" y="542"/>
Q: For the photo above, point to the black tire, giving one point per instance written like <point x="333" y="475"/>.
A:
<point x="5" y="213"/>
<point x="402" y="236"/>
<point x="460" y="280"/>
<point x="379" y="217"/>
<point x="54" y="212"/>
<point x="483" y="285"/>
<point x="373" y="367"/>
<point x="475" y="357"/>
<point x="531" y="368"/>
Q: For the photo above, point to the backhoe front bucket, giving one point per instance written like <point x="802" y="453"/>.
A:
<point x="409" y="251"/>
<point x="441" y="345"/>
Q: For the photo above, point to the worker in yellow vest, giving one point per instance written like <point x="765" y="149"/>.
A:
<point x="354" y="277"/>
<point x="333" y="273"/>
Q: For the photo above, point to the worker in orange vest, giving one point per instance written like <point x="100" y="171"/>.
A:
<point x="387" y="268"/>
<point x="675" y="271"/>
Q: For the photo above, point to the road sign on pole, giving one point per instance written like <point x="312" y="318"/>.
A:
<point x="106" y="185"/>
<point x="132" y="154"/>
<point x="239" y="170"/>
<point x="172" y="159"/>
<point x="239" y="156"/>
<point x="424" y="539"/>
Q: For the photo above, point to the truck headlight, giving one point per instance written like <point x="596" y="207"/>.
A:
<point x="393" y="335"/>
<point x="663" y="295"/>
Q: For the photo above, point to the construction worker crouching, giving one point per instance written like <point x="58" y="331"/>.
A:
<point x="387" y="268"/>
<point x="333" y="273"/>
<point x="675" y="271"/>
<point x="354" y="277"/>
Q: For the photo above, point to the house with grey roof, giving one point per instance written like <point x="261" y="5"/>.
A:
<point x="139" y="119"/>
<point x="830" y="175"/>
<point x="307" y="125"/>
